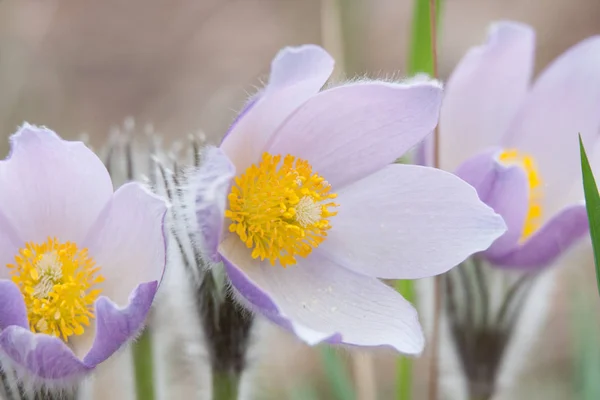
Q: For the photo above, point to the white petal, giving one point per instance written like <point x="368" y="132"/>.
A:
<point x="297" y="73"/>
<point x="408" y="222"/>
<point x="51" y="187"/>
<point x="484" y="92"/>
<point x="128" y="242"/>
<point x="318" y="300"/>
<point x="564" y="102"/>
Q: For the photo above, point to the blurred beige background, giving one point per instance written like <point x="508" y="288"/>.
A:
<point x="183" y="65"/>
<point x="84" y="65"/>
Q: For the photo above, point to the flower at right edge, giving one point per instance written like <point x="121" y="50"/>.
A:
<point x="516" y="142"/>
<point x="303" y="205"/>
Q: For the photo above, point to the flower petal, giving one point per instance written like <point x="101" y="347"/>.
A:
<point x="564" y="101"/>
<point x="320" y="300"/>
<point x="43" y="358"/>
<point x="10" y="243"/>
<point x="12" y="306"/>
<point x="115" y="326"/>
<point x="351" y="131"/>
<point x="505" y="189"/>
<point x="250" y="103"/>
<point x="211" y="185"/>
<point x="297" y="73"/>
<point x="408" y="222"/>
<point x="51" y="187"/>
<point x="484" y="92"/>
<point x="545" y="246"/>
<point x="128" y="241"/>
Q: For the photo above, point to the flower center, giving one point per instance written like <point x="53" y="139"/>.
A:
<point x="57" y="281"/>
<point x="280" y="209"/>
<point x="527" y="163"/>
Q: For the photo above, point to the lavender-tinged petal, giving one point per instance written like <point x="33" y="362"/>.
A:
<point x="545" y="246"/>
<point x="408" y="222"/>
<point x="115" y="326"/>
<point x="43" y="358"/>
<point x="51" y="187"/>
<point x="211" y="185"/>
<point x="258" y="300"/>
<point x="245" y="109"/>
<point x="319" y="300"/>
<point x="505" y="189"/>
<point x="423" y="154"/>
<point x="297" y="73"/>
<point x="351" y="131"/>
<point x="12" y="306"/>
<point x="564" y="102"/>
<point x="128" y="241"/>
<point x="484" y="92"/>
<point x="10" y="243"/>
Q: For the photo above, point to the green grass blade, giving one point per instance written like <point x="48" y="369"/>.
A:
<point x="337" y="374"/>
<point x="420" y="57"/>
<point x="592" y="203"/>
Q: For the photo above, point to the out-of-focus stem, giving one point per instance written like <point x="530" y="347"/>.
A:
<point x="225" y="386"/>
<point x="332" y="34"/>
<point x="404" y="365"/>
<point x="142" y="361"/>
<point x="435" y="340"/>
<point x="364" y="376"/>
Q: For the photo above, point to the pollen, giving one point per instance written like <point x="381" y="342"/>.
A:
<point x="280" y="209"/>
<point x="534" y="211"/>
<point x="59" y="285"/>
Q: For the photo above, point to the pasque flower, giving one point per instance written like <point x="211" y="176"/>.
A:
<point x="81" y="264"/>
<point x="516" y="142"/>
<point x="303" y="205"/>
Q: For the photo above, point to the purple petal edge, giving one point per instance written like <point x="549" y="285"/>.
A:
<point x="12" y="306"/>
<point x="212" y="184"/>
<point x="47" y="358"/>
<point x="549" y="243"/>
<point x="502" y="187"/>
<point x="262" y="303"/>
<point x="250" y="103"/>
<point x="115" y="325"/>
<point x="40" y="356"/>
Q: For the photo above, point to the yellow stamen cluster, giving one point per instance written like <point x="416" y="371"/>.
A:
<point x="280" y="209"/>
<point x="57" y="281"/>
<point x="534" y="213"/>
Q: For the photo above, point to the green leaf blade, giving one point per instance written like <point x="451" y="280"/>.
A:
<point x="592" y="204"/>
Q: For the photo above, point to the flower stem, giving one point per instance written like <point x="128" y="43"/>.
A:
<point x="225" y="386"/>
<point x="422" y="58"/>
<point x="142" y="362"/>
<point x="404" y="365"/>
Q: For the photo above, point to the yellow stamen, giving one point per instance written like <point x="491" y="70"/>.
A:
<point x="534" y="213"/>
<point x="58" y="282"/>
<point x="280" y="209"/>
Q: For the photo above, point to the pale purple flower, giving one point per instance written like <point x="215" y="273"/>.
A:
<point x="308" y="269"/>
<point x="516" y="142"/>
<point x="81" y="264"/>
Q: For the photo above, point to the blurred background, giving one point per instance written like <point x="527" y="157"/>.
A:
<point x="82" y="66"/>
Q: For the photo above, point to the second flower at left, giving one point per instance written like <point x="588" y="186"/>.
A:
<point x="80" y="265"/>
